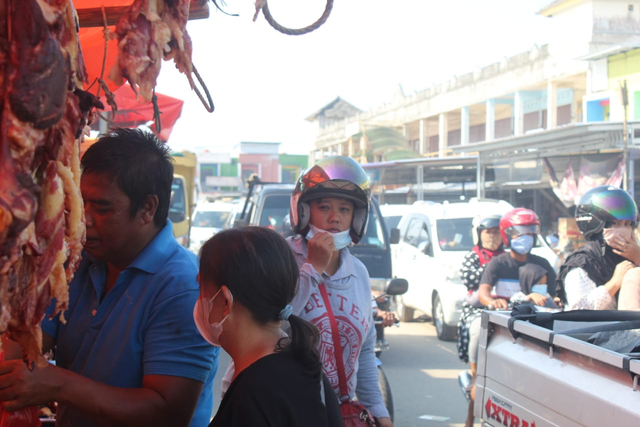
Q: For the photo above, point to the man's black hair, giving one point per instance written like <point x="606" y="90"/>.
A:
<point x="139" y="163"/>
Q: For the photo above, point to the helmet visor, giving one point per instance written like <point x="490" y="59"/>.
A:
<point x="519" y="230"/>
<point x="489" y="222"/>
<point x="336" y="176"/>
<point x="336" y="168"/>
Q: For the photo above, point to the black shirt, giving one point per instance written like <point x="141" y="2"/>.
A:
<point x="275" y="391"/>
<point x="504" y="272"/>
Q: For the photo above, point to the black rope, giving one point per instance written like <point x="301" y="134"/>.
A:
<point x="208" y="104"/>
<point x="156" y="112"/>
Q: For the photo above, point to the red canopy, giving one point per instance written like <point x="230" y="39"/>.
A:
<point x="132" y="113"/>
<point x="92" y="41"/>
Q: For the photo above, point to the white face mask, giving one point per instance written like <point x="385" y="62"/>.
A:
<point x="340" y="240"/>
<point x="209" y="331"/>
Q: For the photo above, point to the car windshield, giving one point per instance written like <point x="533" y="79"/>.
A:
<point x="210" y="219"/>
<point x="274" y="211"/>
<point x="178" y="204"/>
<point x="455" y="234"/>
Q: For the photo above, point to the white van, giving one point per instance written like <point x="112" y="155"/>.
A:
<point x="434" y="239"/>
<point x="208" y="219"/>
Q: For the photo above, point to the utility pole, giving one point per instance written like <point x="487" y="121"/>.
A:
<point x="625" y="153"/>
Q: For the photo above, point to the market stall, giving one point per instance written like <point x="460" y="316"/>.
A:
<point x="63" y="64"/>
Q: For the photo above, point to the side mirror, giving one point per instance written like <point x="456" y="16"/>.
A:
<point x="394" y="238"/>
<point x="397" y="286"/>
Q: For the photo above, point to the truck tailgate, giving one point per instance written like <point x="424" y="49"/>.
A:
<point x="521" y="383"/>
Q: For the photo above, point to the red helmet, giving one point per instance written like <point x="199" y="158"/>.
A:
<point x="517" y="222"/>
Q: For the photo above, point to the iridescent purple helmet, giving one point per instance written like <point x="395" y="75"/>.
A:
<point x="602" y="205"/>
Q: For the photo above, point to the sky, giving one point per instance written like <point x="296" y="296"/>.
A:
<point x="264" y="83"/>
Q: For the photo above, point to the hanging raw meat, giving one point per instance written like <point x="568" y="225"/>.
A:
<point x="43" y="112"/>
<point x="151" y="30"/>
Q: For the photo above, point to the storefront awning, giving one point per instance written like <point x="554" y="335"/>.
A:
<point x="566" y="140"/>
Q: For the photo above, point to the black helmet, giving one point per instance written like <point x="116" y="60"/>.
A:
<point x="600" y="206"/>
<point x="336" y="176"/>
<point x="480" y="223"/>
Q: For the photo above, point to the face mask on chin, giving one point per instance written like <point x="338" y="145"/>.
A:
<point x="522" y="244"/>
<point x="209" y="331"/>
<point x="340" y="240"/>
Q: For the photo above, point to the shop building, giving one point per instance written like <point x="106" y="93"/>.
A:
<point x="516" y="128"/>
<point x="227" y="173"/>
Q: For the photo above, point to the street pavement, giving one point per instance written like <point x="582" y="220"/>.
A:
<point x="423" y="373"/>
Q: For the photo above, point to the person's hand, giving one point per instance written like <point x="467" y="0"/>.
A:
<point x="20" y="387"/>
<point x="388" y="319"/>
<point x="537" y="299"/>
<point x="319" y="250"/>
<point x="626" y="247"/>
<point x="378" y="296"/>
<point x="385" y="422"/>
<point x="498" y="304"/>
<point x="619" y="272"/>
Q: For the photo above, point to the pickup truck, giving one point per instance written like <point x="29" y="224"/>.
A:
<point x="526" y="381"/>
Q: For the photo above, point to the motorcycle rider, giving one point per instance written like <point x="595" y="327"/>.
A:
<point x="518" y="271"/>
<point x="488" y="244"/>
<point x="602" y="275"/>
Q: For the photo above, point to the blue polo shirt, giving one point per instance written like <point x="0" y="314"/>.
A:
<point x="144" y="325"/>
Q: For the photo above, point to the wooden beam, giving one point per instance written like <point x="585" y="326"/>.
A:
<point x="92" y="17"/>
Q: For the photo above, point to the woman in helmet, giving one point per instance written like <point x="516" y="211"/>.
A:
<point x="488" y="243"/>
<point x="330" y="210"/>
<point x="518" y="271"/>
<point x="601" y="274"/>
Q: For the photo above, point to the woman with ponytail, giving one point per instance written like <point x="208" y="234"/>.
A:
<point x="247" y="281"/>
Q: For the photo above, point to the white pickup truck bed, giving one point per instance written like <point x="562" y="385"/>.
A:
<point x="521" y="383"/>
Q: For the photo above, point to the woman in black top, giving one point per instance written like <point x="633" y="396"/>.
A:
<point x="247" y="280"/>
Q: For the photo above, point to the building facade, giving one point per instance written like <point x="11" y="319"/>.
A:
<point x="519" y="128"/>
<point x="227" y="173"/>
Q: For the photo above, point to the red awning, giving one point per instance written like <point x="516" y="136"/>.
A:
<point x="132" y="113"/>
<point x="92" y="32"/>
<point x="92" y="41"/>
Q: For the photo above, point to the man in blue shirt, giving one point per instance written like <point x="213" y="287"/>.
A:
<point x="129" y="352"/>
